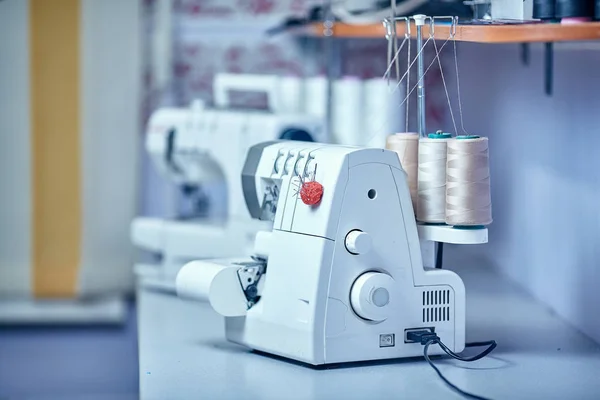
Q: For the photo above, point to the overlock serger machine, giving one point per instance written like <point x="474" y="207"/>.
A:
<point x="198" y="146"/>
<point x="340" y="276"/>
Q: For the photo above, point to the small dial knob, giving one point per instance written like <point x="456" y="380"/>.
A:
<point x="358" y="242"/>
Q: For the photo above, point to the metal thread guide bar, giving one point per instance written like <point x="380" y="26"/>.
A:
<point x="419" y="22"/>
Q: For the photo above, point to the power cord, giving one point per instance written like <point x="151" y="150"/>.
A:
<point x="427" y="338"/>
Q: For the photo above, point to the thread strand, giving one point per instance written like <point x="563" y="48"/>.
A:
<point x="445" y="87"/>
<point x="462" y="124"/>
<point x="388" y="71"/>
<point x="425" y="73"/>
<point x="407" y="84"/>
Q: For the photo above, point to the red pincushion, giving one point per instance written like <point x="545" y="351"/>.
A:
<point x="311" y="193"/>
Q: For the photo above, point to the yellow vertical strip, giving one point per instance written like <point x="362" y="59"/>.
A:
<point x="55" y="112"/>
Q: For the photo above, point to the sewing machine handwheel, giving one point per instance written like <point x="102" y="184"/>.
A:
<point x="371" y="296"/>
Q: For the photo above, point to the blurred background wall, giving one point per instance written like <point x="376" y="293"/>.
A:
<point x="59" y="338"/>
<point x="544" y="170"/>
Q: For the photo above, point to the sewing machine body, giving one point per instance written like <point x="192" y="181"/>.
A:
<point x="342" y="281"/>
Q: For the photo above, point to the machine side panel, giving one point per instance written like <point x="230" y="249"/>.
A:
<point x="289" y="318"/>
<point x="249" y="172"/>
<point x="382" y="215"/>
<point x="381" y="218"/>
<point x="408" y="221"/>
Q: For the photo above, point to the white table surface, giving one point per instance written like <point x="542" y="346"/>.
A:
<point x="183" y="355"/>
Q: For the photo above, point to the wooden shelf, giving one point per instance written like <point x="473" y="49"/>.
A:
<point x="477" y="33"/>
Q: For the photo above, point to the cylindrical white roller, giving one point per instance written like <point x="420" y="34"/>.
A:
<point x="407" y="147"/>
<point x="372" y="296"/>
<point x="382" y="112"/>
<point x="262" y="244"/>
<point x="215" y="283"/>
<point x="291" y="90"/>
<point x="347" y="111"/>
<point x="315" y="96"/>
<point x="358" y="242"/>
<point x="468" y="197"/>
<point x="431" y="203"/>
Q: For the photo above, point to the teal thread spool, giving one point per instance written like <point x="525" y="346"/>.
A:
<point x="439" y="135"/>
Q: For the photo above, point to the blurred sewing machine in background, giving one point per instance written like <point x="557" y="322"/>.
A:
<point x="198" y="146"/>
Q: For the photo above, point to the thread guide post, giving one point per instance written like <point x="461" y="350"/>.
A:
<point x="437" y="233"/>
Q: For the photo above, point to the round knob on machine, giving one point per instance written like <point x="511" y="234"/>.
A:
<point x="358" y="242"/>
<point x="371" y="296"/>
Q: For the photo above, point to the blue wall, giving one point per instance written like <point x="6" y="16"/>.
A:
<point x="545" y="172"/>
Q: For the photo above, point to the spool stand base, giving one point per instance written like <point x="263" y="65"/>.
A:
<point x="451" y="234"/>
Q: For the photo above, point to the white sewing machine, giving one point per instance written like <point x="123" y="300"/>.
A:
<point x="339" y="281"/>
<point x="196" y="146"/>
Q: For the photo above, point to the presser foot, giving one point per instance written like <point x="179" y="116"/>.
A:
<point x="249" y="277"/>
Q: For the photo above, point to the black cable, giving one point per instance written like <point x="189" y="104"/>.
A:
<point x="452" y="385"/>
<point x="548" y="68"/>
<point x="427" y="338"/>
<point x="439" y="254"/>
<point x="491" y="346"/>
